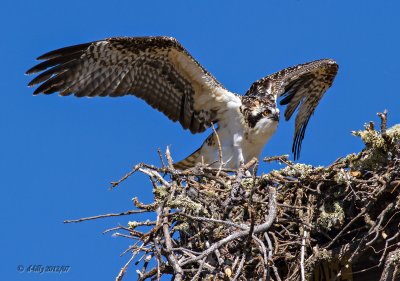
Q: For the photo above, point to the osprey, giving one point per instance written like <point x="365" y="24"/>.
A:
<point x="160" y="71"/>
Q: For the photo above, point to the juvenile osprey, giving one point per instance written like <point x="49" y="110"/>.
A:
<point x="160" y="71"/>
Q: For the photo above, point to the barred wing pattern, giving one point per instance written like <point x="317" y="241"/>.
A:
<point x="156" y="69"/>
<point x="301" y="86"/>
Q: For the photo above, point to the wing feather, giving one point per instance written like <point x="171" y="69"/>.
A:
<point x="300" y="87"/>
<point x="156" y="69"/>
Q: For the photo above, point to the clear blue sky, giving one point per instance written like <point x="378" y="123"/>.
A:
<point x="57" y="155"/>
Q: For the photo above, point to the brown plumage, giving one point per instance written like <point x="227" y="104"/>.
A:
<point x="160" y="71"/>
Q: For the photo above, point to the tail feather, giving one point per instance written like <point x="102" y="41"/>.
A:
<point x="188" y="162"/>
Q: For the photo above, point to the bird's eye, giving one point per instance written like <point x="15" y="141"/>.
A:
<point x="265" y="113"/>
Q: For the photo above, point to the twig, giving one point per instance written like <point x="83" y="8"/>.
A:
<point x="123" y="270"/>
<point x="154" y="174"/>
<point x="211" y="220"/>
<point x="107" y="216"/>
<point x="303" y="247"/>
<point x="383" y="117"/>
<point x="281" y="159"/>
<point x="169" y="159"/>
<point x="116" y="183"/>
<point x="197" y="275"/>
<point x="170" y="255"/>
<point x="239" y="269"/>
<point x="161" y="158"/>
<point x="219" y="149"/>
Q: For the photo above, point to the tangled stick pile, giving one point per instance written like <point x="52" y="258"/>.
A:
<point x="213" y="224"/>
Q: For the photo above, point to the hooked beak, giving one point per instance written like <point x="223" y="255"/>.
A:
<point x="275" y="117"/>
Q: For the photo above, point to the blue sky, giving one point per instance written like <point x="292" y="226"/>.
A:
<point x="58" y="155"/>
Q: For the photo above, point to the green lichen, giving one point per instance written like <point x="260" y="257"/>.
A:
<point x="371" y="138"/>
<point x="184" y="202"/>
<point x="132" y="224"/>
<point x="297" y="171"/>
<point x="394" y="258"/>
<point x="331" y="216"/>
<point x="351" y="158"/>
<point x="248" y="183"/>
<point x="394" y="132"/>
<point x="341" y="177"/>
<point x="378" y="148"/>
<point x="397" y="206"/>
<point x="160" y="192"/>
<point x="184" y="227"/>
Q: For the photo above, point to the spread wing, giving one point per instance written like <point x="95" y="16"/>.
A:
<point x="156" y="69"/>
<point x="301" y="86"/>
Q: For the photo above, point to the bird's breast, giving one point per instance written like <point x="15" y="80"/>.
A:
<point x="255" y="138"/>
<point x="262" y="131"/>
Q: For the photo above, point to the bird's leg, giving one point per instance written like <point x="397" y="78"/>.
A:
<point x="237" y="149"/>
<point x="240" y="159"/>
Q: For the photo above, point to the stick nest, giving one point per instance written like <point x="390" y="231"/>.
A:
<point x="213" y="224"/>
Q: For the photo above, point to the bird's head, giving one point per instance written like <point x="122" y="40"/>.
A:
<point x="259" y="111"/>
